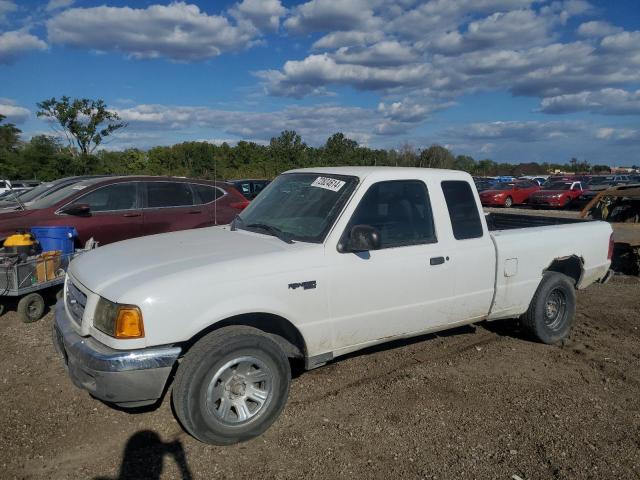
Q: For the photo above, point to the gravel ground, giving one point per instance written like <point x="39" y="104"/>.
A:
<point x="476" y="402"/>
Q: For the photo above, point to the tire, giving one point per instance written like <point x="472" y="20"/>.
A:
<point x="31" y="308"/>
<point x="2" y="309"/>
<point x="212" y="390"/>
<point x="508" y="202"/>
<point x="552" y="310"/>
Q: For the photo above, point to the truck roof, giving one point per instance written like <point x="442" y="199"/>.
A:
<point x="384" y="173"/>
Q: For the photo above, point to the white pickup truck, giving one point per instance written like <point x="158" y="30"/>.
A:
<point x="324" y="262"/>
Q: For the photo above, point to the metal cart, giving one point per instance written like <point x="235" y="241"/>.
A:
<point x="27" y="280"/>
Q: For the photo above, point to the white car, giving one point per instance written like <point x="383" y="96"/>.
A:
<point x="325" y="262"/>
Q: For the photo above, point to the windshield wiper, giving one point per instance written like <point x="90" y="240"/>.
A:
<point x="270" y="229"/>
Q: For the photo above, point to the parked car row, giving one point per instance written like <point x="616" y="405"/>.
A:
<point x="113" y="208"/>
<point x="6" y="186"/>
<point x="554" y="191"/>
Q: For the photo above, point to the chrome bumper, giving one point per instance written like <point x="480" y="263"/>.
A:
<point x="128" y="378"/>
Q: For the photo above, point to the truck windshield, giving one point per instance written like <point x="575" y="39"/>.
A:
<point x="298" y="206"/>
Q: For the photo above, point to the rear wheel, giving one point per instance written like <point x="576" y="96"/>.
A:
<point x="31" y="308"/>
<point x="552" y="309"/>
<point x="508" y="202"/>
<point x="231" y="386"/>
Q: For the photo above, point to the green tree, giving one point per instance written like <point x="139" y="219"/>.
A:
<point x="84" y="122"/>
<point x="9" y="135"/>
<point x="339" y="150"/>
<point x="436" y="156"/>
<point x="287" y="151"/>
<point x="464" y="163"/>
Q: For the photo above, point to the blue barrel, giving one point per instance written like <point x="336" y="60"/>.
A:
<point x="55" y="238"/>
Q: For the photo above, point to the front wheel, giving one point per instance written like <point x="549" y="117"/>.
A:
<point x="552" y="310"/>
<point x="508" y="202"/>
<point x="231" y="386"/>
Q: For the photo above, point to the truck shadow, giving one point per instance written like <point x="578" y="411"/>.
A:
<point x="143" y="458"/>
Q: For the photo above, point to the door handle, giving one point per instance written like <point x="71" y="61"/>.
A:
<point x="436" y="260"/>
<point x="132" y="215"/>
<point x="194" y="212"/>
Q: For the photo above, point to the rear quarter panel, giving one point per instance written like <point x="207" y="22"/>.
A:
<point x="523" y="255"/>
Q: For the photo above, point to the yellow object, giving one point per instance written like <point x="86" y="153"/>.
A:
<point x="47" y="265"/>
<point x="19" y="240"/>
<point x="129" y="323"/>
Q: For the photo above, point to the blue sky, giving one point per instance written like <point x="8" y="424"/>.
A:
<point x="512" y="80"/>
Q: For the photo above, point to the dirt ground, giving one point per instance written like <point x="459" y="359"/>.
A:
<point x="474" y="403"/>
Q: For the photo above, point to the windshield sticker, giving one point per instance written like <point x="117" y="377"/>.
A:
<point x="79" y="187"/>
<point x="327" y="183"/>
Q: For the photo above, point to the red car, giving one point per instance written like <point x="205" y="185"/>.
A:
<point x="508" y="194"/>
<point x="111" y="209"/>
<point x="557" y="194"/>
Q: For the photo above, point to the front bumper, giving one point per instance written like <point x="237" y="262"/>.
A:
<point x="128" y="378"/>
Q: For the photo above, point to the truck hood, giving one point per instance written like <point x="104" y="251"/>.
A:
<point x="118" y="268"/>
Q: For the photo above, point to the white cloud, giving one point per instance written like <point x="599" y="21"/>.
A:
<point x="619" y="135"/>
<point x="520" y="131"/>
<point x="58" y="4"/>
<point x="314" y="123"/>
<point x="608" y="101"/>
<point x="597" y="28"/>
<point x="263" y="14"/>
<point x="178" y="31"/>
<point x="386" y="53"/>
<point x="13" y="112"/>
<point x="16" y="43"/>
<point x="347" y="39"/>
<point x="299" y="78"/>
<point x="622" y="42"/>
<point x="515" y="28"/>
<point x="327" y="15"/>
<point x="6" y="7"/>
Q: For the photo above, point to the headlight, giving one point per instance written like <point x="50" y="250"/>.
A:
<point x="119" y="321"/>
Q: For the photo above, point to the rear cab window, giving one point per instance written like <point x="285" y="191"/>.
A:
<point x="463" y="209"/>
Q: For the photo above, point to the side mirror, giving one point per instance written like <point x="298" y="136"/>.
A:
<point x="78" y="209"/>
<point x="361" y="238"/>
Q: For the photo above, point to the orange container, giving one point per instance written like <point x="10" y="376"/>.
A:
<point x="47" y="265"/>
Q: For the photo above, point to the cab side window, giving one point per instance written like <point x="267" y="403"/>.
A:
<point x="119" y="196"/>
<point x="463" y="209"/>
<point x="400" y="211"/>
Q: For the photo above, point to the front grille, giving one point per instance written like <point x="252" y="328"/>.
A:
<point x="76" y="302"/>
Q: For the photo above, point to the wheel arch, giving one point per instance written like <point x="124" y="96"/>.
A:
<point x="278" y="328"/>
<point x="572" y="266"/>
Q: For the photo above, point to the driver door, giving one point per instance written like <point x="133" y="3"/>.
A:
<point x="403" y="287"/>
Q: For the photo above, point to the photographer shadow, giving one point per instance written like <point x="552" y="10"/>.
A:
<point x="143" y="458"/>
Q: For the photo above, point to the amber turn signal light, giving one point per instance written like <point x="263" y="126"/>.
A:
<point x="129" y="323"/>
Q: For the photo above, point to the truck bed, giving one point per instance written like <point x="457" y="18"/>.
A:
<point x="511" y="221"/>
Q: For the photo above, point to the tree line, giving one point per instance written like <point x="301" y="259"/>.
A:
<point x="86" y="123"/>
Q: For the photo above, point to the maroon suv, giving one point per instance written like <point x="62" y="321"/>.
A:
<point x="110" y="209"/>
